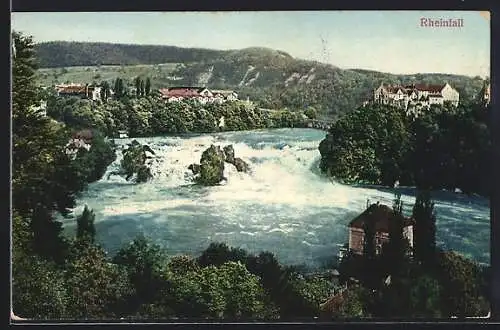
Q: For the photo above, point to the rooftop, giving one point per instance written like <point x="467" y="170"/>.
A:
<point x="431" y="88"/>
<point x="379" y="213"/>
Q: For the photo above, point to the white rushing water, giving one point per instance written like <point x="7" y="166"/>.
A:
<point x="283" y="206"/>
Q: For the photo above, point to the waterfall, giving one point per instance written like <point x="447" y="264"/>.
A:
<point x="283" y="205"/>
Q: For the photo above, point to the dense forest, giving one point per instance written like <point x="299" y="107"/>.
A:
<point x="151" y="116"/>
<point x="444" y="147"/>
<point x="58" y="54"/>
<point x="67" y="278"/>
<point x="271" y="78"/>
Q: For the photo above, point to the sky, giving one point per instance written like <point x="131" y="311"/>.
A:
<point x="387" y="41"/>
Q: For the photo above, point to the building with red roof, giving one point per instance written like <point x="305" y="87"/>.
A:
<point x="79" y="90"/>
<point x="381" y="215"/>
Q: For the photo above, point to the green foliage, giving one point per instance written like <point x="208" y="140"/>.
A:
<point x="311" y="113"/>
<point x="38" y="289"/>
<point x="353" y="303"/>
<point x="96" y="288"/>
<point x="370" y="144"/>
<point x="286" y="290"/>
<point x="149" y="115"/>
<point x="425" y="297"/>
<point x="142" y="88"/>
<point x="147" y="88"/>
<point x="63" y="53"/>
<point x="379" y="145"/>
<point x="85" y="229"/>
<point x="228" y="291"/>
<point x="120" y="88"/>
<point x="453" y="149"/>
<point x="44" y="177"/>
<point x="424" y="230"/>
<point x="144" y="263"/>
<point x="461" y="280"/>
<point x="313" y="291"/>
<point x="137" y="82"/>
<point x="217" y="254"/>
<point x="93" y="163"/>
<point x="183" y="264"/>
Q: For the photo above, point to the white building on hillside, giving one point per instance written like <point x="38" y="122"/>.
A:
<point x="416" y="96"/>
<point x="201" y="94"/>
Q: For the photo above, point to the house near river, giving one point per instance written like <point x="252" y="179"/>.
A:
<point x="381" y="215"/>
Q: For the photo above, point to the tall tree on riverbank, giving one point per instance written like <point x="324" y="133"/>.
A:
<point x="396" y="249"/>
<point x="137" y="83"/>
<point x="424" y="228"/>
<point x="85" y="225"/>
<point x="142" y="88"/>
<point x="44" y="178"/>
<point x="105" y="91"/>
<point x="148" y="86"/>
<point x="119" y="88"/>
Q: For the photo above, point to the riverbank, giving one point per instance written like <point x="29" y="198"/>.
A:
<point x="283" y="205"/>
<point x="150" y="116"/>
<point x="441" y="148"/>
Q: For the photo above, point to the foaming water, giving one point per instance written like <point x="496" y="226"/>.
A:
<point x="283" y="205"/>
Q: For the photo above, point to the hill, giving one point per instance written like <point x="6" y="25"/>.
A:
<point x="272" y="78"/>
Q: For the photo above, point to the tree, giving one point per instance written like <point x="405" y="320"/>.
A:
<point x="424" y="228"/>
<point x="311" y="113"/>
<point x="142" y="89"/>
<point x="352" y="303"/>
<point x="144" y="263"/>
<point x="371" y="144"/>
<point x="219" y="253"/>
<point x="137" y="82"/>
<point x="105" y="91"/>
<point x="425" y="297"/>
<point x="396" y="248"/>
<point x="96" y="288"/>
<point x="85" y="225"/>
<point x="183" y="264"/>
<point x="227" y="291"/>
<point x="461" y="280"/>
<point x="148" y="86"/>
<point x="44" y="178"/>
<point x="38" y="289"/>
<point x="119" y="88"/>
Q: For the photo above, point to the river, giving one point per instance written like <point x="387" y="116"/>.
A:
<point x="283" y="206"/>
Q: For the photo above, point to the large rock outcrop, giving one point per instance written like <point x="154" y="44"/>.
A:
<point x="229" y="153"/>
<point x="211" y="166"/>
<point x="133" y="165"/>
<point x="211" y="170"/>
<point x="195" y="168"/>
<point x="239" y="163"/>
